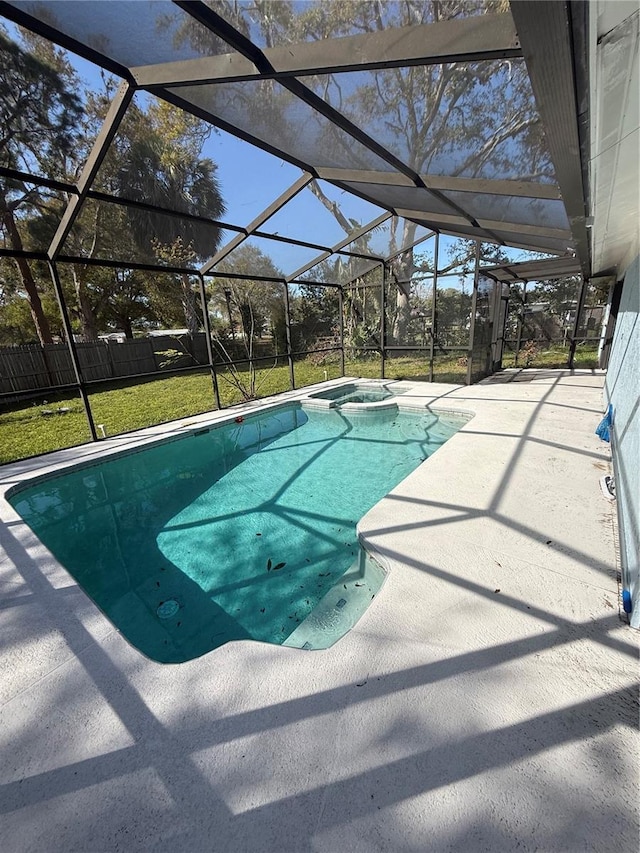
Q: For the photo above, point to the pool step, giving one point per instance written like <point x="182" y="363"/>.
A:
<point x="341" y="607"/>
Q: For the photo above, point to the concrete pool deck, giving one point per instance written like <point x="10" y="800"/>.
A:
<point x="487" y="700"/>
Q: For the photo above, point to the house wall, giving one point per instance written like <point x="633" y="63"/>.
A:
<point x="622" y="389"/>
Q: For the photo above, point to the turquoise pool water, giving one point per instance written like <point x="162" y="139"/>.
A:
<point x="233" y="532"/>
<point x="355" y="394"/>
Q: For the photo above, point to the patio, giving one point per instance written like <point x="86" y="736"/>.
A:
<point x="485" y="701"/>
<point x="405" y="178"/>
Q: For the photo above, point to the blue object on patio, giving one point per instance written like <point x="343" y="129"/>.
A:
<point x="604" y="427"/>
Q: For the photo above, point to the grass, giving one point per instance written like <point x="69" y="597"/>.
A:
<point x="28" y="431"/>
<point x="556" y="356"/>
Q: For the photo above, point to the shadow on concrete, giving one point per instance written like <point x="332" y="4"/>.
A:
<point x="191" y="809"/>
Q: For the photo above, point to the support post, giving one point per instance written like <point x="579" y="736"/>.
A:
<point x="576" y="322"/>
<point x="207" y="332"/>
<point x="73" y="352"/>
<point x="520" y="323"/>
<point x="341" y="308"/>
<point x="472" y="325"/>
<point x="383" y="318"/>
<point x="434" y="313"/>
<point x="287" y="323"/>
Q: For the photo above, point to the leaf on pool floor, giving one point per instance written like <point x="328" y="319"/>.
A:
<point x="279" y="566"/>
<point x="269" y="565"/>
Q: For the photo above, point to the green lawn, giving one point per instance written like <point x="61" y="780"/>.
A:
<point x="586" y="356"/>
<point x="29" y="430"/>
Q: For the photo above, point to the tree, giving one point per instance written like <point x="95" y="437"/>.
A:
<point x="439" y="119"/>
<point x="255" y="304"/>
<point x="128" y="304"/>
<point x="154" y="158"/>
<point x="16" y="320"/>
<point x="39" y="114"/>
<point x="252" y="305"/>
<point x="314" y="315"/>
<point x="157" y="160"/>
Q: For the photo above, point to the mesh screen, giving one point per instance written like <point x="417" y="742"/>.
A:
<point x="115" y="232"/>
<point x="127" y="406"/>
<point x="157" y="157"/>
<point x="500" y="328"/>
<point x="450" y="366"/>
<point x="249" y="380"/>
<point x="593" y="310"/>
<point x="540" y="322"/>
<point x="362" y="311"/>
<point x="33" y="213"/>
<point x="261" y="256"/>
<point x="513" y="326"/>
<point x="269" y="112"/>
<point x="308" y="370"/>
<point x="456" y="255"/>
<point x="408" y="198"/>
<point x="129" y="33"/>
<point x="492" y="255"/>
<point x="391" y="237"/>
<point x="414" y="365"/>
<point x="465" y="231"/>
<point x="28" y="313"/>
<point x="357" y="210"/>
<point x="340" y="269"/>
<point x="284" y="23"/>
<point x="315" y="322"/>
<point x="249" y="178"/>
<point x="552" y="245"/>
<point x="483" y="328"/>
<point x="215" y="175"/>
<point x="453" y="313"/>
<point x="47" y="128"/>
<point x="409" y="298"/>
<point x="124" y="304"/>
<point x="366" y="364"/>
<point x="247" y="319"/>
<point x="549" y="213"/>
<point x="485" y="124"/>
<point x="312" y="216"/>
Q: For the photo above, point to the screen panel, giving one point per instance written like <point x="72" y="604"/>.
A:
<point x="483" y="327"/>
<point x="138" y="33"/>
<point x="261" y="256"/>
<point x="283" y="23"/>
<point x="271" y="113"/>
<point x="110" y="231"/>
<point x="362" y="316"/>
<point x="485" y="123"/>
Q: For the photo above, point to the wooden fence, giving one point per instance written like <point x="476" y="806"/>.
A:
<point x="32" y="367"/>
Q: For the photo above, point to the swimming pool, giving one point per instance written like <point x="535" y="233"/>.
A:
<point x="245" y="530"/>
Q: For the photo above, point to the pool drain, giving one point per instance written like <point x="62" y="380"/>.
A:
<point x="168" y="609"/>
